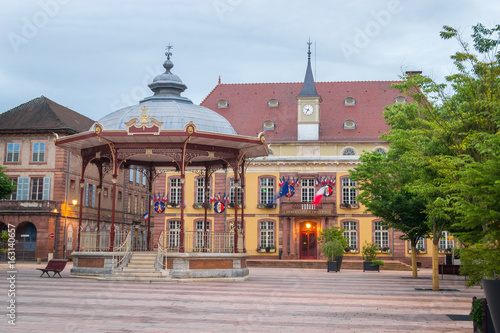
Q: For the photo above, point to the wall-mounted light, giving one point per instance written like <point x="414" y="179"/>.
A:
<point x="308" y="225"/>
<point x="74" y="202"/>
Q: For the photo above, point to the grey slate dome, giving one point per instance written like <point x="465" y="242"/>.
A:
<point x="168" y="106"/>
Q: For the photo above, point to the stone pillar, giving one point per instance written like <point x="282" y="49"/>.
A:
<point x="293" y="242"/>
<point x="284" y="240"/>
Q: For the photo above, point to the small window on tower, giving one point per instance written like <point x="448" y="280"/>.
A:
<point x="268" y="125"/>
<point x="273" y="103"/>
<point x="222" y="104"/>
<point x="349" y="101"/>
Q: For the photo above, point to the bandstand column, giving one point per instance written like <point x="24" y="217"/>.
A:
<point x="243" y="231"/>
<point x="80" y="211"/>
<point x="181" y="236"/>
<point x="150" y="191"/>
<point x="285" y="237"/>
<point x="113" y="207"/>
<point x="236" y="170"/>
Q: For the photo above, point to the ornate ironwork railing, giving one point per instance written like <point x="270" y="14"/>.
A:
<point x="161" y="257"/>
<point x="121" y="253"/>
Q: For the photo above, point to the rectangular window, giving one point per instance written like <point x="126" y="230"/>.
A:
<point x="136" y="204"/>
<point x="131" y="174"/>
<point x="138" y="173"/>
<point x="37" y="188"/>
<point x="13" y="195"/>
<point x="38" y="152"/>
<point x="381" y="236"/>
<point x="307" y="190"/>
<point x="143" y="205"/>
<point x="174" y="234"/>
<point x="129" y="203"/>
<point x="446" y="241"/>
<point x="348" y="191"/>
<point x="200" y="190"/>
<point x="234" y="189"/>
<point x="351" y="234"/>
<point x="266" y="190"/>
<point x="144" y="178"/>
<point x="266" y="234"/>
<point x="13" y="149"/>
<point x="94" y="190"/>
<point x="175" y="190"/>
<point x="202" y="237"/>
<point x="87" y="194"/>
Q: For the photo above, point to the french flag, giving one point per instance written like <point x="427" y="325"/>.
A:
<point x="319" y="195"/>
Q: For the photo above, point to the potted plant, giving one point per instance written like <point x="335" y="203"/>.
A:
<point x="481" y="264"/>
<point x="333" y="252"/>
<point x="369" y="253"/>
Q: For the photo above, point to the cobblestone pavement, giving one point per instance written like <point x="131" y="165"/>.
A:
<point x="271" y="300"/>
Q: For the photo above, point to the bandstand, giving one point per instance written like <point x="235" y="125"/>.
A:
<point x="164" y="132"/>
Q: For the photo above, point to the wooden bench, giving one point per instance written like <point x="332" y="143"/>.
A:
<point x="54" y="265"/>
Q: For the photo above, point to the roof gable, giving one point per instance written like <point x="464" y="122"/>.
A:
<point x="248" y="109"/>
<point x="41" y="115"/>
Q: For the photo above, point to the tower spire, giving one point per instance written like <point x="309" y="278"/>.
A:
<point x="308" y="87"/>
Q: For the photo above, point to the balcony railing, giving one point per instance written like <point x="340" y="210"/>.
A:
<point x="307" y="208"/>
<point x="200" y="241"/>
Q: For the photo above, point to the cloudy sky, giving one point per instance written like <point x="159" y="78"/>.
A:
<point x="98" y="56"/>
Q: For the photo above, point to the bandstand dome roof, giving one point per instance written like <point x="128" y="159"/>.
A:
<point x="169" y="107"/>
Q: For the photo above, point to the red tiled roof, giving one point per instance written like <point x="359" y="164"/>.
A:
<point x="41" y="115"/>
<point x="248" y="108"/>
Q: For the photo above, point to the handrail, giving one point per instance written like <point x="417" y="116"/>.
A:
<point x="122" y="251"/>
<point x="162" y="254"/>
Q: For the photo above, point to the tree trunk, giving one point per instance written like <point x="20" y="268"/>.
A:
<point x="414" y="261"/>
<point x="435" y="263"/>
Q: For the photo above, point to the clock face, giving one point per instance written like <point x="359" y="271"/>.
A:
<point x="307" y="109"/>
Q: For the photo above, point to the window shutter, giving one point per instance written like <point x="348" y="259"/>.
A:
<point x="23" y="188"/>
<point x="46" y="188"/>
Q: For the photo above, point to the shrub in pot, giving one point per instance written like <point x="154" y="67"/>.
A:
<point x="369" y="253"/>
<point x="333" y="251"/>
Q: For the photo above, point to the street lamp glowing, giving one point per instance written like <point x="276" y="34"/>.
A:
<point x="74" y="202"/>
<point x="308" y="225"/>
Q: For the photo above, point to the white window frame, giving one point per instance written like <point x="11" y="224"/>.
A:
<point x="13" y="152"/>
<point x="381" y="235"/>
<point x="38" y="152"/>
<point x="351" y="233"/>
<point x="266" y="237"/>
<point x="232" y="191"/>
<point x="444" y="242"/>
<point x="174" y="232"/>
<point x="349" y="191"/>
<point x="266" y="190"/>
<point x="175" y="190"/>
<point x="201" y="235"/>
<point x="307" y="190"/>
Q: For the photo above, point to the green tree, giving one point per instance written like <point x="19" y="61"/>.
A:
<point x="6" y="188"/>
<point x="449" y="135"/>
<point x="382" y="182"/>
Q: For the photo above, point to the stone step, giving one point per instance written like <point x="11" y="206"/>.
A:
<point x="321" y="264"/>
<point x="137" y="278"/>
<point x="142" y="274"/>
<point x="137" y="270"/>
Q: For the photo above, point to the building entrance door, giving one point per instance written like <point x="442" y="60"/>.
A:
<point x="308" y="240"/>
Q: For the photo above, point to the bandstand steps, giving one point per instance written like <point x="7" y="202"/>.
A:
<point x="141" y="267"/>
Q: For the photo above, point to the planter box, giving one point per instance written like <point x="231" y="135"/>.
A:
<point x="492" y="293"/>
<point x="266" y="206"/>
<point x="349" y="206"/>
<point x="367" y="266"/>
<point x="331" y="266"/>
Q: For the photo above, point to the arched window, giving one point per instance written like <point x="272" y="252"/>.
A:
<point x="348" y="152"/>
<point x="380" y="151"/>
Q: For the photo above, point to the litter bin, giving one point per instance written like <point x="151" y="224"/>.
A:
<point x="280" y="253"/>
<point x="38" y="261"/>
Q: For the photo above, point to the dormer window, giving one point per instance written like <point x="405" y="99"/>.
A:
<point x="268" y="125"/>
<point x="273" y="103"/>
<point x="349" y="124"/>
<point x="349" y="101"/>
<point x="348" y="152"/>
<point x="222" y="104"/>
<point x="400" y="100"/>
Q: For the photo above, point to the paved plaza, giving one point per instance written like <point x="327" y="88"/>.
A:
<point x="271" y="300"/>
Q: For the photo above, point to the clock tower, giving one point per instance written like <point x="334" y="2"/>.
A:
<point x="308" y="102"/>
